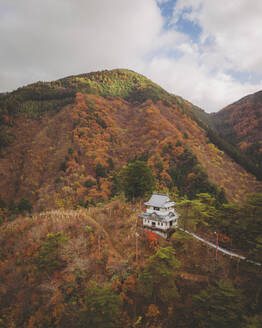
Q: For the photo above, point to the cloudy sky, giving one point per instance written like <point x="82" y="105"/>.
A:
<point x="207" y="51"/>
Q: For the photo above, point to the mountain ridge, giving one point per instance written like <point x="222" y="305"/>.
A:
<point x="55" y="135"/>
<point x="241" y="124"/>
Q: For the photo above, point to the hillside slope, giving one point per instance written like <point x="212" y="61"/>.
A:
<point x="63" y="143"/>
<point x="241" y="124"/>
<point x="74" y="269"/>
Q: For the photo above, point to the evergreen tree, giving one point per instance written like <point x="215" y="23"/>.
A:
<point x="101" y="307"/>
<point x="157" y="281"/>
<point x="219" y="306"/>
<point x="101" y="171"/>
<point x="48" y="258"/>
<point x="137" y="180"/>
<point x="24" y="206"/>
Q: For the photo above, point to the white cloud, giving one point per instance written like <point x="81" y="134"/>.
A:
<point x="192" y="80"/>
<point x="50" y="39"/>
<point x="231" y="40"/>
<point x="234" y="26"/>
<point x="45" y="40"/>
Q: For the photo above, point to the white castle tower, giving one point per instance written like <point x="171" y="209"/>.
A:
<point x="160" y="214"/>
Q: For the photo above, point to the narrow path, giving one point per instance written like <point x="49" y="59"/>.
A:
<point x="220" y="249"/>
<point x="107" y="238"/>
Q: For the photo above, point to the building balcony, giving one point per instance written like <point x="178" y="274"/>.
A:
<point x="162" y="211"/>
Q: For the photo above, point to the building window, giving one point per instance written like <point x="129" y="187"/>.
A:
<point x="156" y="208"/>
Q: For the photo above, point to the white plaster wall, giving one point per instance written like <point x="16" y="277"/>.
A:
<point x="158" y="225"/>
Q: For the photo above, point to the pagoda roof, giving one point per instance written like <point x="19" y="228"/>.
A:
<point x="160" y="200"/>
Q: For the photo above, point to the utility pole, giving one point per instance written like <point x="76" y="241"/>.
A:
<point x="137" y="235"/>
<point x="99" y="246"/>
<point x="216" y="245"/>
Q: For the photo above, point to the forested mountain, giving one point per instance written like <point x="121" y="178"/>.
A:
<point x="77" y="269"/>
<point x="78" y="156"/>
<point x="64" y="142"/>
<point x="241" y="124"/>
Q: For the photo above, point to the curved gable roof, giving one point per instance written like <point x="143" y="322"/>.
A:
<point x="160" y="200"/>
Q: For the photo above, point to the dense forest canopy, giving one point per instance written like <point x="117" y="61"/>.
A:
<point x="78" y="157"/>
<point x="78" y="268"/>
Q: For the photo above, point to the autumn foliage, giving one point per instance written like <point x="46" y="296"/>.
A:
<point x="64" y="143"/>
<point x="240" y="124"/>
<point x="152" y="239"/>
<point x="72" y="152"/>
